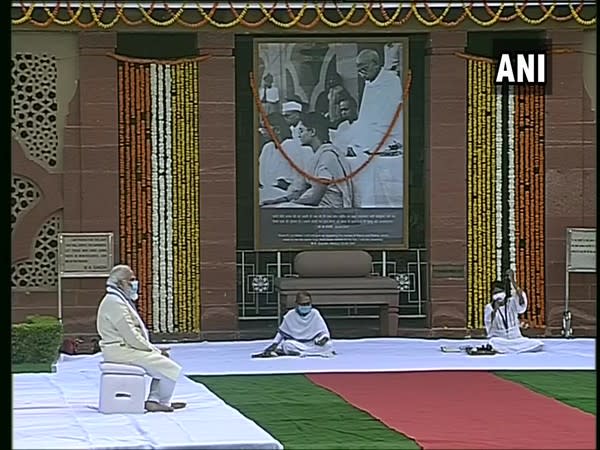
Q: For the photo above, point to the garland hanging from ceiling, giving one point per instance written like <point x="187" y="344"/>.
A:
<point x="159" y="14"/>
<point x="159" y="190"/>
<point x="505" y="190"/>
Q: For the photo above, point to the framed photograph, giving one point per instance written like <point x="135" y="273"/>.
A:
<point x="331" y="143"/>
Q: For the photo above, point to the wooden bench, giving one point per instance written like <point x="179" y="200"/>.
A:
<point x="341" y="278"/>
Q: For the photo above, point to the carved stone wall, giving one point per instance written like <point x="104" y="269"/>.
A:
<point x="43" y="81"/>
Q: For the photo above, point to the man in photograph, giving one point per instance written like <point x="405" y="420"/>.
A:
<point x="269" y="95"/>
<point x="342" y="137"/>
<point x="292" y="111"/>
<point x="275" y="172"/>
<point x="381" y="185"/>
<point x="328" y="164"/>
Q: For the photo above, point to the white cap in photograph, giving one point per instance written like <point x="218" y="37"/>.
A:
<point x="291" y="106"/>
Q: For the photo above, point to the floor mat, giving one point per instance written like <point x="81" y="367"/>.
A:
<point x="464" y="410"/>
<point x="302" y="415"/>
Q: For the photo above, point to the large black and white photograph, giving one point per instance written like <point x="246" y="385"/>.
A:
<point x="330" y="143"/>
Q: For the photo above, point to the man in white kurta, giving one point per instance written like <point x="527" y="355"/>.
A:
<point x="303" y="332"/>
<point x="125" y="339"/>
<point x="501" y="319"/>
<point x="381" y="183"/>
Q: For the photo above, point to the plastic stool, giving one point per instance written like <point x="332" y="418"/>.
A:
<point x="122" y="389"/>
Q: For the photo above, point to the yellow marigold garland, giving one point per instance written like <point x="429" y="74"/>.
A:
<point x="120" y="14"/>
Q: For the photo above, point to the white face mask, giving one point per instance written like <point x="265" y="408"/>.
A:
<point x="134" y="290"/>
<point x="498" y="297"/>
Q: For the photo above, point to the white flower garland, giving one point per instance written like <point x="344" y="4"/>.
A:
<point x="169" y="201"/>
<point x="499" y="142"/>
<point x="511" y="179"/>
<point x="162" y="268"/>
<point x="155" y="197"/>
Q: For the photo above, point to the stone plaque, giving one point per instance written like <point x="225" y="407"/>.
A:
<point x="581" y="249"/>
<point x="448" y="271"/>
<point x="85" y="254"/>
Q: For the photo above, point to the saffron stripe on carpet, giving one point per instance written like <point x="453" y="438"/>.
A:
<point x="464" y="410"/>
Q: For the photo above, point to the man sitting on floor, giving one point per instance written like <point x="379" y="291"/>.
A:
<point x="125" y="339"/>
<point x="501" y="318"/>
<point x="303" y="332"/>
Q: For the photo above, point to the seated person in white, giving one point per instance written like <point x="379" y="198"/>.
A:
<point x="303" y="332"/>
<point x="125" y="339"/>
<point x="501" y="318"/>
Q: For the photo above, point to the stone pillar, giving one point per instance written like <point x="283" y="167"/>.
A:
<point x="91" y="169"/>
<point x="570" y="181"/>
<point x="218" y="187"/>
<point x="446" y="167"/>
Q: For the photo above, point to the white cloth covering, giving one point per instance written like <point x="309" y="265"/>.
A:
<point x="298" y="333"/>
<point x="503" y="329"/>
<point x="59" y="411"/>
<point x="363" y="355"/>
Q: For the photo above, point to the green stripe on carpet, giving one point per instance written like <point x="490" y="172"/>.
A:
<point x="301" y="415"/>
<point x="574" y="388"/>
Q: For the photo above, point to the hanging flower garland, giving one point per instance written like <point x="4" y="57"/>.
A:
<point x="505" y="190"/>
<point x="481" y="188"/>
<point x="159" y="187"/>
<point x="118" y="13"/>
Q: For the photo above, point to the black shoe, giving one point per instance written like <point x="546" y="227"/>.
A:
<point x="152" y="406"/>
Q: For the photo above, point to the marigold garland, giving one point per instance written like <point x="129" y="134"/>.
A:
<point x="481" y="191"/>
<point x="159" y="189"/>
<point x="364" y="9"/>
<point x="505" y="226"/>
<point x="530" y="231"/>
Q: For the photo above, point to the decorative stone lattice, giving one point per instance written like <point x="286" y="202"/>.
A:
<point x="35" y="105"/>
<point x="41" y="271"/>
<point x="24" y="194"/>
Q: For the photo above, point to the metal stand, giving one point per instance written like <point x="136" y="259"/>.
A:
<point x="581" y="258"/>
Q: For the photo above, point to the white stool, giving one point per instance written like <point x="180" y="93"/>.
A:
<point x="122" y="389"/>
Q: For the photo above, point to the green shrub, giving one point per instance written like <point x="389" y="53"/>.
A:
<point x="37" y="340"/>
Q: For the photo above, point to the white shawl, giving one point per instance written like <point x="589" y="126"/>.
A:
<point x="303" y="328"/>
<point x="115" y="291"/>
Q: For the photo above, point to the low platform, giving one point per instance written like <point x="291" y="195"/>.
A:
<point x="59" y="411"/>
<point x="380" y="355"/>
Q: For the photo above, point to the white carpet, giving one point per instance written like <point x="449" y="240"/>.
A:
<point x="380" y="355"/>
<point x="59" y="411"/>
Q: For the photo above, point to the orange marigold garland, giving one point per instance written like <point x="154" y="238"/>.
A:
<point x="530" y="230"/>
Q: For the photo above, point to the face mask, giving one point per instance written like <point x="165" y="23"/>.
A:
<point x="303" y="310"/>
<point x="135" y="286"/>
<point x="498" y="297"/>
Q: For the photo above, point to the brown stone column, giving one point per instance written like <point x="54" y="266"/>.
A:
<point x="218" y="187"/>
<point x="446" y="164"/>
<point x="91" y="168"/>
<point x="570" y="182"/>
